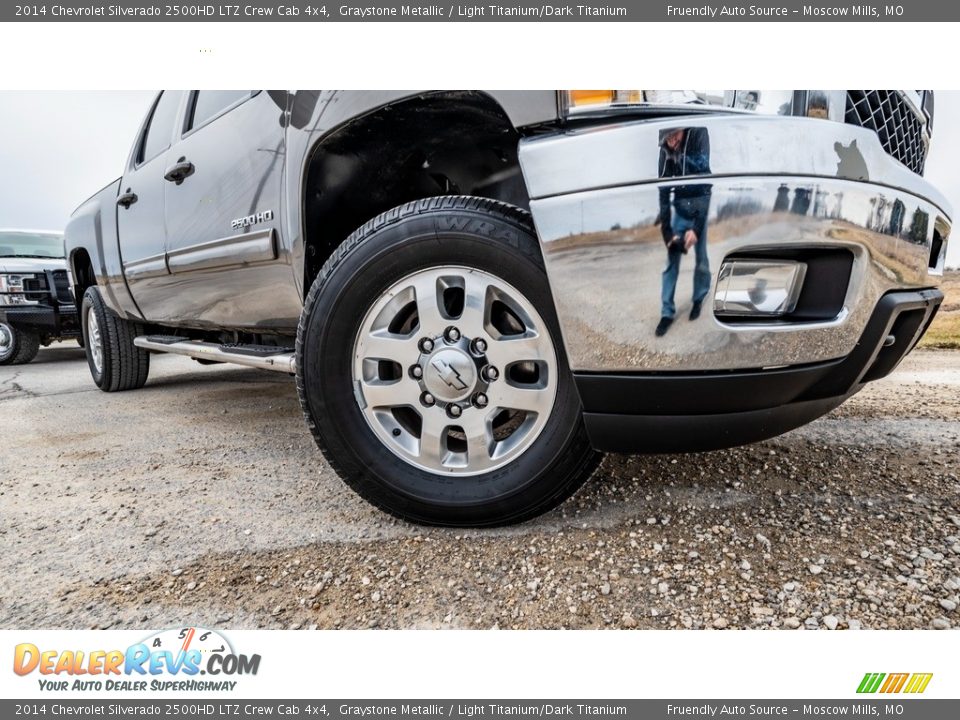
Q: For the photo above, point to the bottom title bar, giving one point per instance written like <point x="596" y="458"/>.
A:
<point x="914" y="709"/>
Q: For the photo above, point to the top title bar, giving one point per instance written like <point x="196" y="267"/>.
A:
<point x="509" y="11"/>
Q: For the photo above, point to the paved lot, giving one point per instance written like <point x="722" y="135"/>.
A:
<point x="202" y="499"/>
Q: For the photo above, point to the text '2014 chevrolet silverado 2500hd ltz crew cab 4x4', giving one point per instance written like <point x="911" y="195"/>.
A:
<point x="478" y="291"/>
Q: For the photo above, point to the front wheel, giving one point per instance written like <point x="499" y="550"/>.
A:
<point x="115" y="362"/>
<point x="17" y="347"/>
<point x="431" y="372"/>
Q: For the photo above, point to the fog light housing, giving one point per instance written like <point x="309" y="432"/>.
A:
<point x="758" y="288"/>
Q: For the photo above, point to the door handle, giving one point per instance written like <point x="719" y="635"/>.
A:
<point x="179" y="172"/>
<point x="127" y="199"/>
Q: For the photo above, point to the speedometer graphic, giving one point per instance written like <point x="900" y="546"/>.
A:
<point x="177" y="640"/>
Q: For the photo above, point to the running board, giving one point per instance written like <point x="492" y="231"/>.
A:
<point x="282" y="361"/>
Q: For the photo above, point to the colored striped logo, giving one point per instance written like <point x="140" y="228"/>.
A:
<point x="894" y="683"/>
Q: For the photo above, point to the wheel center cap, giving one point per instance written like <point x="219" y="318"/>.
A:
<point x="450" y="375"/>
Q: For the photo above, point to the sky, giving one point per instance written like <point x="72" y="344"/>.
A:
<point x="58" y="148"/>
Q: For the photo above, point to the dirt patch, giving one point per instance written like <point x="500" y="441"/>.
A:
<point x="182" y="507"/>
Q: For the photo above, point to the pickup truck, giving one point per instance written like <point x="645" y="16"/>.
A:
<point x="36" y="304"/>
<point x="478" y="292"/>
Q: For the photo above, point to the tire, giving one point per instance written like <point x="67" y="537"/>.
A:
<point x="119" y="365"/>
<point x="377" y="451"/>
<point x="17" y="347"/>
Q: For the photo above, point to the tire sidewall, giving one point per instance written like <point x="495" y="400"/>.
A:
<point x="492" y="244"/>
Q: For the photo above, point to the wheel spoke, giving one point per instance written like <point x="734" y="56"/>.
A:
<point x="383" y="346"/>
<point x="529" y="399"/>
<point x="433" y="428"/>
<point x="479" y="441"/>
<point x="473" y="319"/>
<point x="390" y="393"/>
<point x="509" y="349"/>
<point x="428" y="306"/>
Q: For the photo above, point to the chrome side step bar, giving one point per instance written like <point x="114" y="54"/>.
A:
<point x="284" y="362"/>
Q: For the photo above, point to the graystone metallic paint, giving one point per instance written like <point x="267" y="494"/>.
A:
<point x="259" y="151"/>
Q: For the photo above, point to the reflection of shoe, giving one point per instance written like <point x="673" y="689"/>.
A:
<point x="665" y="323"/>
<point x="695" y="310"/>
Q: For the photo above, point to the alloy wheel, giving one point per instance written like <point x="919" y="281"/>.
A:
<point x="455" y="371"/>
<point x="6" y="341"/>
<point x="95" y="339"/>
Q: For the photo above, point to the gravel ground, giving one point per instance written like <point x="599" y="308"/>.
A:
<point x="202" y="499"/>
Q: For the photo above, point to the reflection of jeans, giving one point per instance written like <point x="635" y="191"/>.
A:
<point x="701" y="274"/>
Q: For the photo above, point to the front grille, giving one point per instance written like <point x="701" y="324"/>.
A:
<point x="888" y="114"/>
<point x="35" y="289"/>
<point x="61" y="284"/>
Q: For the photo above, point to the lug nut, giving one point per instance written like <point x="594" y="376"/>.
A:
<point x="452" y="334"/>
<point x="416" y="372"/>
<point x="480" y="400"/>
<point x="479" y="346"/>
<point x="454" y="411"/>
<point x="490" y="373"/>
<point x="426" y="345"/>
<point x="428" y="399"/>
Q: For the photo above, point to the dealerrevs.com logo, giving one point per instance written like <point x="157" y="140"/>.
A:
<point x="170" y="660"/>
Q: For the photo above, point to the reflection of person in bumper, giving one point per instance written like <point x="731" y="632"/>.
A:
<point x="683" y="217"/>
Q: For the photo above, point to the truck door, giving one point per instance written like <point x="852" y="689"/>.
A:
<point x="140" y="217"/>
<point x="223" y="192"/>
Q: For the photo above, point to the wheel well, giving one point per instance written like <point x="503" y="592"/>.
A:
<point x="83" y="274"/>
<point x="448" y="143"/>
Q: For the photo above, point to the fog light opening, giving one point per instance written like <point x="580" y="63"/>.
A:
<point x="758" y="288"/>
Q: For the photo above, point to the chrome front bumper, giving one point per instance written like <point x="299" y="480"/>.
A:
<point x="774" y="183"/>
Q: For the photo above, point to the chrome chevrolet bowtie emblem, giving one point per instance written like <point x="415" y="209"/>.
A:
<point x="448" y="374"/>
